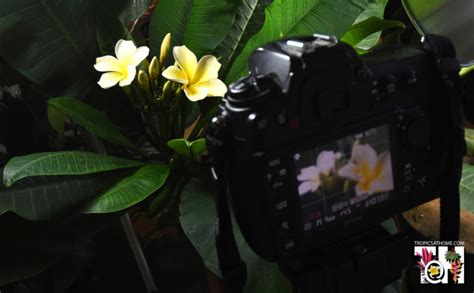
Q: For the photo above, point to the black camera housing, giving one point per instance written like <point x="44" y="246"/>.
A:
<point x="307" y="92"/>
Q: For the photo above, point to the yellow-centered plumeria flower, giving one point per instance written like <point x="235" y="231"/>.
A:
<point x="123" y="68"/>
<point x="199" y="79"/>
<point x="371" y="171"/>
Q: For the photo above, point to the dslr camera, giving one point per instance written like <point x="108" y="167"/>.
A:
<point x="318" y="145"/>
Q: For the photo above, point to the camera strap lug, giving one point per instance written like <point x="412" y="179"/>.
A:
<point x="233" y="269"/>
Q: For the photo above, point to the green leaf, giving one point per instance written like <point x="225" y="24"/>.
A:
<point x="466" y="188"/>
<point x="129" y="191"/>
<point x="198" y="217"/>
<point x="43" y="198"/>
<point x="469" y="137"/>
<point x="108" y="33"/>
<point x="466" y="70"/>
<point x="181" y="146"/>
<point x="134" y="11"/>
<point x="248" y="21"/>
<point x="92" y="120"/>
<point x="198" y="146"/>
<point x="56" y="119"/>
<point x="451" y="256"/>
<point x="374" y="9"/>
<point x="192" y="113"/>
<point x="62" y="163"/>
<point x="331" y="17"/>
<point x="53" y="43"/>
<point x="187" y="148"/>
<point x="201" y="25"/>
<point x="358" y="32"/>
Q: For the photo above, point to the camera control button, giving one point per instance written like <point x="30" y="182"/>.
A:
<point x="410" y="77"/>
<point x="274" y="162"/>
<point x="258" y="122"/>
<point x="406" y="188"/>
<point x="278" y="184"/>
<point x="289" y="246"/>
<point x="389" y="85"/>
<point x="269" y="177"/>
<point x="285" y="226"/>
<point x="280" y="118"/>
<point x="280" y="206"/>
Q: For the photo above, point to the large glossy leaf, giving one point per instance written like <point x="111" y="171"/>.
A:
<point x="91" y="119"/>
<point x="201" y="25"/>
<point x="360" y="31"/>
<point x="198" y="216"/>
<point x="43" y="198"/>
<point x="52" y="42"/>
<point x="247" y="22"/>
<point x="467" y="188"/>
<point x="134" y="10"/>
<point x="332" y="17"/>
<point x="374" y="9"/>
<point x="62" y="163"/>
<point x="108" y="33"/>
<point x="187" y="148"/>
<point x="469" y="137"/>
<point x="129" y="191"/>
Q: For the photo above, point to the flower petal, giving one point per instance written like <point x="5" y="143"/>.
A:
<point x="129" y="76"/>
<point x="383" y="167"/>
<point x="174" y="73"/>
<point x="109" y="79"/>
<point x="186" y="60"/>
<point x="326" y="161"/>
<point x="195" y="93"/>
<point x="215" y="87"/>
<point x="107" y="63"/>
<point x="124" y="50"/>
<point x="359" y="190"/>
<point x="309" y="173"/>
<point x="207" y="68"/>
<point x="381" y="185"/>
<point x="364" y="153"/>
<point x="384" y="179"/>
<point x="307" y="186"/>
<point x="347" y="171"/>
<point x="140" y="55"/>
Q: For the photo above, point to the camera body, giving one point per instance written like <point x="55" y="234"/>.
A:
<point x="324" y="143"/>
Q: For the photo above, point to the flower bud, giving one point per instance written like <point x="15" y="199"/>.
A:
<point x="165" y="47"/>
<point x="154" y="69"/>
<point x="144" y="81"/>
<point x="167" y="90"/>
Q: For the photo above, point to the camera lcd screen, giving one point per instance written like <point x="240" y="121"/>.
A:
<point x="342" y="178"/>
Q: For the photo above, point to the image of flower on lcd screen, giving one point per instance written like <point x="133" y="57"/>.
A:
<point x="363" y="172"/>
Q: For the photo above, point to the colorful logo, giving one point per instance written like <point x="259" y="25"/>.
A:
<point x="440" y="264"/>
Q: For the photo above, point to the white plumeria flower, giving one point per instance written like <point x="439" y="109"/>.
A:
<point x="310" y="177"/>
<point x="372" y="172"/>
<point x="199" y="79"/>
<point x="121" y="69"/>
<point x="326" y="161"/>
<point x="310" y="180"/>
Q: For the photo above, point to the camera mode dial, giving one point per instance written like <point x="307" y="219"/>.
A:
<point x="252" y="88"/>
